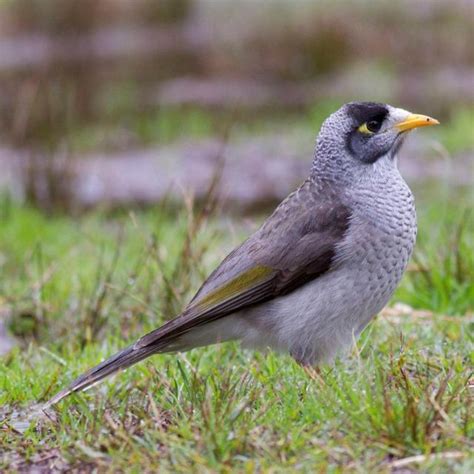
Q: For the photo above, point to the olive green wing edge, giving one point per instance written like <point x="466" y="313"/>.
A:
<point x="251" y="286"/>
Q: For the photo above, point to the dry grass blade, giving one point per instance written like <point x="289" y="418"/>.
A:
<point x="421" y="458"/>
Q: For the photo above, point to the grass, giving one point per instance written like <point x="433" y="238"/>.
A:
<point x="76" y="291"/>
<point x="458" y="137"/>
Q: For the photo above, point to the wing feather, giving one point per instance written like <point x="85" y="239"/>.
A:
<point x="294" y="246"/>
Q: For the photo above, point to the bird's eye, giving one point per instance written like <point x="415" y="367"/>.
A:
<point x="372" y="126"/>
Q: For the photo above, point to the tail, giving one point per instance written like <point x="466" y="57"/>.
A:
<point x="121" y="360"/>
<point x="166" y="338"/>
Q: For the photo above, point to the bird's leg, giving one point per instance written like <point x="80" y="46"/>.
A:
<point x="314" y="373"/>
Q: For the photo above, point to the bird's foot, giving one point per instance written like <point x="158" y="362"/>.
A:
<point x="314" y="373"/>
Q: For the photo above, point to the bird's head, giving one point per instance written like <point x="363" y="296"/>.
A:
<point x="360" y="134"/>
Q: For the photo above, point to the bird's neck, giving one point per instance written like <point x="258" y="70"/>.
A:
<point x="331" y="168"/>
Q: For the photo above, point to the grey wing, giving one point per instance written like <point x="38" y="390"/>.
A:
<point x="296" y="244"/>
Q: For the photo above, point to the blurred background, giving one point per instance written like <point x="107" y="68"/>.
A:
<point x="125" y="102"/>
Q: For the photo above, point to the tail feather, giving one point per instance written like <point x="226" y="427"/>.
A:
<point x="167" y="338"/>
<point x="119" y="361"/>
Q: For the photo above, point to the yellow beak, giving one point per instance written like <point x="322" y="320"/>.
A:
<point x="415" y="121"/>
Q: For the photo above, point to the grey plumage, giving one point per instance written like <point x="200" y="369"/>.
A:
<point x="321" y="266"/>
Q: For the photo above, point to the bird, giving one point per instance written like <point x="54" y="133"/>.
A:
<point x="317" y="271"/>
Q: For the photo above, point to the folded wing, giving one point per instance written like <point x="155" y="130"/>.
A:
<point x="295" y="245"/>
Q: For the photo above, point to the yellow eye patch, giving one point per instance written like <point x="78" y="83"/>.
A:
<point x="363" y="129"/>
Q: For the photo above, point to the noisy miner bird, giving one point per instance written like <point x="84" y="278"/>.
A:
<point x="320" y="267"/>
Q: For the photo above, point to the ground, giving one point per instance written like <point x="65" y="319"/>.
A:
<point x="76" y="290"/>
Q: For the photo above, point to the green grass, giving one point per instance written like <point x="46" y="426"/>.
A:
<point x="442" y="272"/>
<point x="76" y="291"/>
<point x="458" y="136"/>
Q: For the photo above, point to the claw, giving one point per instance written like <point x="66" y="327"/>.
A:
<point x="314" y="373"/>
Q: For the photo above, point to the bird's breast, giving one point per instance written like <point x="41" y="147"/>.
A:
<point x="380" y="242"/>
